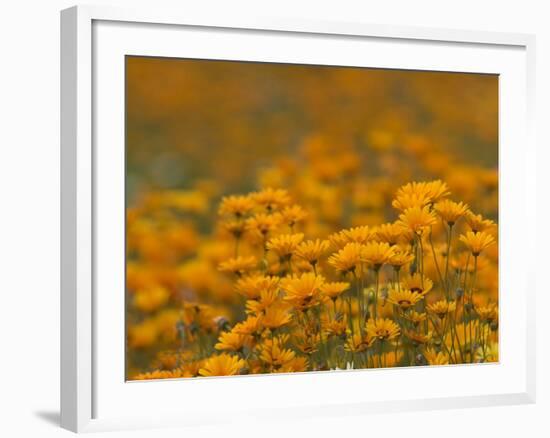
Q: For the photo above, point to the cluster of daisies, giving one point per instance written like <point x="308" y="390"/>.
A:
<point x="420" y="290"/>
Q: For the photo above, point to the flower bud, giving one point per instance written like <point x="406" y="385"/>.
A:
<point x="370" y="297"/>
<point x="222" y="323"/>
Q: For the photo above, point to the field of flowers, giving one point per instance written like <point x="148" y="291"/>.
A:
<point x="355" y="243"/>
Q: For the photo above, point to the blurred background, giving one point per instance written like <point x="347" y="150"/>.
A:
<point x="191" y="120"/>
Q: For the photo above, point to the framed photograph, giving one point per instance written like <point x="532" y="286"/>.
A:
<point x="305" y="218"/>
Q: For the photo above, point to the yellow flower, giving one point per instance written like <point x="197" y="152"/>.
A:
<point x="191" y="369"/>
<point x="358" y="234"/>
<point x="298" y="266"/>
<point x="415" y="317"/>
<point x="251" y="325"/>
<point x="420" y="194"/>
<point x="488" y="313"/>
<point x="442" y="307"/>
<point x="334" y="327"/>
<point x="334" y="290"/>
<point x="436" y="358"/>
<point x="410" y="200"/>
<point x="233" y="341"/>
<point x="404" y="298"/>
<point x="222" y="365"/>
<point x="312" y="250"/>
<point x="348" y="258"/>
<point x="436" y="190"/>
<point x="293" y="214"/>
<point x="451" y="211"/>
<point x="400" y="258"/>
<point x="273" y="353"/>
<point x="199" y="315"/>
<point x="157" y="374"/>
<point x="357" y="343"/>
<point x="418" y="338"/>
<point x="306" y="342"/>
<point x="417" y="284"/>
<point x="296" y="365"/>
<point x="303" y="291"/>
<point x="262" y="224"/>
<point x="237" y="206"/>
<point x="338" y="240"/>
<point x="236" y="227"/>
<point x="477" y="242"/>
<point x="376" y="254"/>
<point x="417" y="219"/>
<point x="477" y="223"/>
<point x="276" y="316"/>
<point x="393" y="233"/>
<point x="383" y="329"/>
<point x="285" y="244"/>
<point x="253" y="285"/>
<point x="239" y="265"/>
<point x="271" y="199"/>
<point x="266" y="299"/>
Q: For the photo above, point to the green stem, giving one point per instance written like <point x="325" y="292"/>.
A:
<point x="472" y="287"/>
<point x="447" y="258"/>
<point x="441" y="338"/>
<point x="377" y="272"/>
<point x="437" y="266"/>
<point x="421" y="259"/>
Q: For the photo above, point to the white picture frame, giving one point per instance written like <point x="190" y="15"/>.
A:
<point x="90" y="38"/>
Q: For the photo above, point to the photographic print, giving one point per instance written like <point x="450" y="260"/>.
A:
<point x="286" y="218"/>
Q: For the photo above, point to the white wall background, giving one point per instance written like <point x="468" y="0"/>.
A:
<point x="29" y="216"/>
